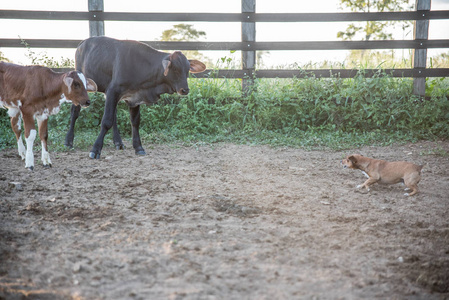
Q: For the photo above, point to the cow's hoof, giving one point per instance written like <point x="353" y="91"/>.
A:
<point x="94" y="155"/>
<point x="31" y="168"/>
<point x="70" y="146"/>
<point x="47" y="166"/>
<point x="141" y="152"/>
<point x="119" y="146"/>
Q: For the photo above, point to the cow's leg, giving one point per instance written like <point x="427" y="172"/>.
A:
<point x="109" y="117"/>
<point x="134" y="113"/>
<point x="42" y="123"/>
<point x="15" y="125"/>
<point x="116" y="137"/>
<point x="30" y="136"/>
<point x="74" y="114"/>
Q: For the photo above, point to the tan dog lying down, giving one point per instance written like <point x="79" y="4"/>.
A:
<point x="382" y="171"/>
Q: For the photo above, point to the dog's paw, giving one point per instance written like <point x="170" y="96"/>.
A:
<point x="359" y="186"/>
<point x="407" y="189"/>
<point x="407" y="194"/>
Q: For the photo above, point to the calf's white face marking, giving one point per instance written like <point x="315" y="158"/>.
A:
<point x="83" y="79"/>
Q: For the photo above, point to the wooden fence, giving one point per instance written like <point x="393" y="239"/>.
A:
<point x="248" y="44"/>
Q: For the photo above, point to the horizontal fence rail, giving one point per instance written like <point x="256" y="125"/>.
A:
<point x="224" y="17"/>
<point x="96" y="15"/>
<point x="248" y="46"/>
<point x="324" y="73"/>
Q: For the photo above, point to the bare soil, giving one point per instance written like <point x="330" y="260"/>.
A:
<point x="222" y="222"/>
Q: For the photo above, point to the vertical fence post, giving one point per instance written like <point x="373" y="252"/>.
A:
<point x="96" y="28"/>
<point x="248" y="35"/>
<point x="421" y="32"/>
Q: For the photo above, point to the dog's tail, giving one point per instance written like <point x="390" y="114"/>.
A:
<point x="420" y="167"/>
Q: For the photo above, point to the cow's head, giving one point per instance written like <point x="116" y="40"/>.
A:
<point x="76" y="86"/>
<point x="176" y="71"/>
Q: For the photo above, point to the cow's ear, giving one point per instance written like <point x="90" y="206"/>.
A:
<point x="196" y="66"/>
<point x="166" y="64"/>
<point x="68" y="82"/>
<point x="91" y="85"/>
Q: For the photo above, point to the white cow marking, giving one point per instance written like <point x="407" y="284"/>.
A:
<point x="55" y="110"/>
<point x="21" y="148"/>
<point x="45" y="156"/>
<point x="13" y="110"/>
<point x="63" y="99"/>
<point x="19" y="123"/>
<point x="83" y="79"/>
<point x="41" y="116"/>
<point x="29" y="159"/>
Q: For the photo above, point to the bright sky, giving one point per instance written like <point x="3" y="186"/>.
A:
<point x="41" y="29"/>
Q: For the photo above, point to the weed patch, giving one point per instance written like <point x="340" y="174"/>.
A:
<point x="309" y="112"/>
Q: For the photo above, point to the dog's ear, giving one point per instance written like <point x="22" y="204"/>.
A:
<point x="352" y="159"/>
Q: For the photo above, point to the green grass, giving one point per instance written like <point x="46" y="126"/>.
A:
<point x="312" y="113"/>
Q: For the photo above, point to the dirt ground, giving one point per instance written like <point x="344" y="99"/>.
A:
<point x="222" y="222"/>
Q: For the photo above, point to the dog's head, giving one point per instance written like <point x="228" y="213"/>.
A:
<point x="351" y="161"/>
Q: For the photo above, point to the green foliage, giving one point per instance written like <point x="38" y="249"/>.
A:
<point x="3" y="57"/>
<point x="306" y="112"/>
<point x="182" y="32"/>
<point x="439" y="61"/>
<point x="90" y="116"/>
<point x="186" y="32"/>
<point x="7" y="137"/>
<point x="376" y="30"/>
<point x="44" y="60"/>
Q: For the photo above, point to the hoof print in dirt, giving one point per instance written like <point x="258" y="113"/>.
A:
<point x="225" y="205"/>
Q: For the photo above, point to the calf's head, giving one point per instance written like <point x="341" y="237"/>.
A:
<point x="176" y="71"/>
<point x="76" y="86"/>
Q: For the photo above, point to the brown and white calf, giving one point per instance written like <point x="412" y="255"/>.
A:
<point x="35" y="92"/>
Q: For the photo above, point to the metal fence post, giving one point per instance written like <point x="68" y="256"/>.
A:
<point x="248" y="35"/>
<point x="96" y="28"/>
<point x="421" y="32"/>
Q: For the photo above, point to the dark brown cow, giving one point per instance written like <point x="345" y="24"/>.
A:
<point x="133" y="72"/>
<point x="35" y="92"/>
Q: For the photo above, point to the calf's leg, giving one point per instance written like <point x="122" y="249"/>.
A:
<point x="134" y="113"/>
<point x="30" y="136"/>
<point x="109" y="117"/>
<point x="42" y="123"/>
<point x="116" y="137"/>
<point x="74" y="114"/>
<point x="15" y="125"/>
